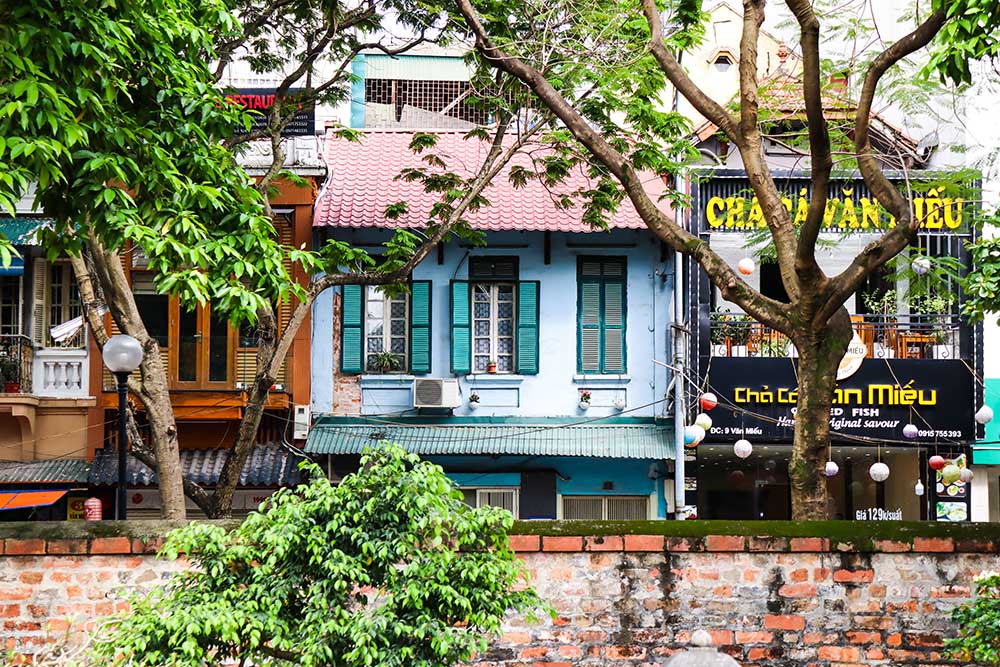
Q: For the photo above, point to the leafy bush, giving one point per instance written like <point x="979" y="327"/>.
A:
<point x="978" y="622"/>
<point x="390" y="567"/>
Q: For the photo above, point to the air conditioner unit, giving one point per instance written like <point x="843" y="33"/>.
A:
<point x="436" y="393"/>
<point x="300" y="428"/>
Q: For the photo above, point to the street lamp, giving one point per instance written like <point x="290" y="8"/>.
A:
<point x="122" y="355"/>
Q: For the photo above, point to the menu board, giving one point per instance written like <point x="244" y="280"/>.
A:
<point x="951" y="499"/>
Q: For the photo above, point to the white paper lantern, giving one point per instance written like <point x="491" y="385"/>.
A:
<point x="746" y="266"/>
<point x="910" y="431"/>
<point x="918" y="488"/>
<point x="921" y="265"/>
<point x="708" y="400"/>
<point x="693" y="434"/>
<point x="742" y="448"/>
<point x="831" y="469"/>
<point x="965" y="475"/>
<point x="951" y="473"/>
<point x="703" y="421"/>
<point x="879" y="472"/>
<point x="984" y="415"/>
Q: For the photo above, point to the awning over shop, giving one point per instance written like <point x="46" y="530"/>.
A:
<point x="16" y="500"/>
<point x="986" y="455"/>
<point x="268" y="465"/>
<point x="986" y="452"/>
<point x="21" y="231"/>
<point x="637" y="439"/>
<point x="57" y="471"/>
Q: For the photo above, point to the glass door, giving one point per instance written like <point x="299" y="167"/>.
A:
<point x="203" y="349"/>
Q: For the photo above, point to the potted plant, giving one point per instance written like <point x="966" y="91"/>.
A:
<point x="10" y="371"/>
<point x="584" y="399"/>
<point x="473" y="401"/>
<point x="935" y="320"/>
<point x="383" y="362"/>
<point x="491" y="366"/>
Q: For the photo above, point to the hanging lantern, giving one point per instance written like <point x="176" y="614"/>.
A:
<point x="742" y="448"/>
<point x="918" y="488"/>
<point x="703" y="421"/>
<point x="936" y="462"/>
<point x="708" y="401"/>
<point x="984" y="415"/>
<point x="910" y="431"/>
<point x="950" y="473"/>
<point x="921" y="265"/>
<point x="746" y="266"/>
<point x="693" y="434"/>
<point x="831" y="469"/>
<point x="965" y="475"/>
<point x="879" y="472"/>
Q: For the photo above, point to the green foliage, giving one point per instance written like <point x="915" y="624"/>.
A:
<point x="970" y="34"/>
<point x="110" y="107"/>
<point x="390" y="567"/>
<point x="978" y="623"/>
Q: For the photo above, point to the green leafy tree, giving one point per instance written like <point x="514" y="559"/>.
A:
<point x="978" y="640"/>
<point x="390" y="567"/>
<point x="628" y="128"/>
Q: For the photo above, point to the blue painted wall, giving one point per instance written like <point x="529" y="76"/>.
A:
<point x="555" y="390"/>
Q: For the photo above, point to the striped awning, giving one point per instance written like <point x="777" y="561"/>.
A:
<point x="614" y="441"/>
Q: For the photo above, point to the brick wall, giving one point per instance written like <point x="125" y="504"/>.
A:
<point x="620" y="599"/>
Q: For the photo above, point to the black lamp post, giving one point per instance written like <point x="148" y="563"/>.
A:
<point x="122" y="355"/>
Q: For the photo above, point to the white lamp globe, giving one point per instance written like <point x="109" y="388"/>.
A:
<point x="831" y="469"/>
<point x="984" y="415"/>
<point x="122" y="354"/>
<point x="879" y="472"/>
<point x="746" y="266"/>
<point x="703" y="421"/>
<point x="742" y="448"/>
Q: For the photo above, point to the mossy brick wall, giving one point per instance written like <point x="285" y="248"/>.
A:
<point x="782" y="595"/>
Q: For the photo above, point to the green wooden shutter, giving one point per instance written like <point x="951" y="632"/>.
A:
<point x="420" y="326"/>
<point x="527" y="327"/>
<point x="589" y="327"/>
<point x="461" y="328"/>
<point x="613" y="357"/>
<point x="601" y="315"/>
<point x="352" y="324"/>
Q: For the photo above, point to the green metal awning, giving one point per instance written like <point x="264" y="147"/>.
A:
<point x="986" y="455"/>
<point x="56" y="471"/>
<point x="614" y="441"/>
<point x="21" y="231"/>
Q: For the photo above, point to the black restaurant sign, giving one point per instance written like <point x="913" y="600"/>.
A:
<point x="260" y="100"/>
<point x="937" y="395"/>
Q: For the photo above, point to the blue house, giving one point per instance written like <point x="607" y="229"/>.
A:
<point x="485" y="364"/>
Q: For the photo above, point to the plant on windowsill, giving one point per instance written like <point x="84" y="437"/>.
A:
<point x="491" y="366"/>
<point x="384" y="362"/>
<point x="10" y="372"/>
<point x="584" y="399"/>
<point x="473" y="401"/>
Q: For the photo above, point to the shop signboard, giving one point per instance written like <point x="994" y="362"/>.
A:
<point x="757" y="398"/>
<point x="261" y="100"/>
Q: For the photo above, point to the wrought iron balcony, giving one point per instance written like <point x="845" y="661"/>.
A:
<point x="16" y="356"/>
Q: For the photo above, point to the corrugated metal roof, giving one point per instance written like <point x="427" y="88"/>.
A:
<point x="268" y="465"/>
<point x="363" y="179"/>
<point x="21" y="231"/>
<point x="67" y="471"/>
<point x="614" y="441"/>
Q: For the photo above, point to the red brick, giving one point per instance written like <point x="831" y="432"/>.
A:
<point x="797" y="591"/>
<point x="570" y="651"/>
<point x="624" y="652"/>
<point x="951" y="592"/>
<point x="924" y="639"/>
<point x="111" y="545"/>
<point x="15" y="547"/>
<point x="10" y="611"/>
<point x="721" y="637"/>
<point x="560" y="543"/>
<point x="605" y="543"/>
<point x="875" y="622"/>
<point x="854" y="576"/>
<point x="810" y="544"/>
<point x="895" y="639"/>
<point x="784" y="622"/>
<point x="839" y="653"/>
<point x="753" y="637"/>
<point x="758" y="654"/>
<point x="891" y="546"/>
<point x="149" y="546"/>
<point x="677" y="544"/>
<point x="875" y="654"/>
<point x="933" y="544"/>
<point x="975" y="546"/>
<point x="864" y="637"/>
<point x="31" y="577"/>
<point x="67" y="546"/>
<point x="534" y="652"/>
<point x="767" y="544"/>
<point x="652" y="543"/>
<point x="516" y="638"/>
<point x="725" y="543"/>
<point x="553" y="664"/>
<point x="525" y="542"/>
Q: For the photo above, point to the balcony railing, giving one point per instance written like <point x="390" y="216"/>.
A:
<point x="903" y="336"/>
<point x="16" y="355"/>
<point x="61" y="372"/>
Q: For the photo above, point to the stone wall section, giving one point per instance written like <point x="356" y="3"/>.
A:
<point x="620" y="600"/>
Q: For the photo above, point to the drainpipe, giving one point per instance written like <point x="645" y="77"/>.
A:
<point x="679" y="358"/>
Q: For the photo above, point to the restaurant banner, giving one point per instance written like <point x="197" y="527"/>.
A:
<point x="261" y="100"/>
<point x="757" y="399"/>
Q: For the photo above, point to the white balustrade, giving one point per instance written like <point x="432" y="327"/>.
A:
<point x="61" y="373"/>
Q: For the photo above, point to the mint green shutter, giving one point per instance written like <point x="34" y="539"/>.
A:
<point x="527" y="327"/>
<point x="352" y="322"/>
<point x="613" y="357"/>
<point x="461" y="328"/>
<point x="601" y="315"/>
<point x="589" y="327"/>
<point x="420" y="326"/>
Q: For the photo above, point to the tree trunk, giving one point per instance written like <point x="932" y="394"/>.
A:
<point x="820" y="353"/>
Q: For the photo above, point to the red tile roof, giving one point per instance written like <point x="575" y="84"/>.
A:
<point x="361" y="182"/>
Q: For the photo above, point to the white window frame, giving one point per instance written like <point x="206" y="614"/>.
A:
<point x="494" y="320"/>
<point x="387" y="319"/>
<point x="79" y="340"/>
<point x="18" y="325"/>
<point x="481" y="490"/>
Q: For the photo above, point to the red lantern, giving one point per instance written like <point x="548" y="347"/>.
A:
<point x="936" y="462"/>
<point x="92" y="509"/>
<point x="708" y="401"/>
